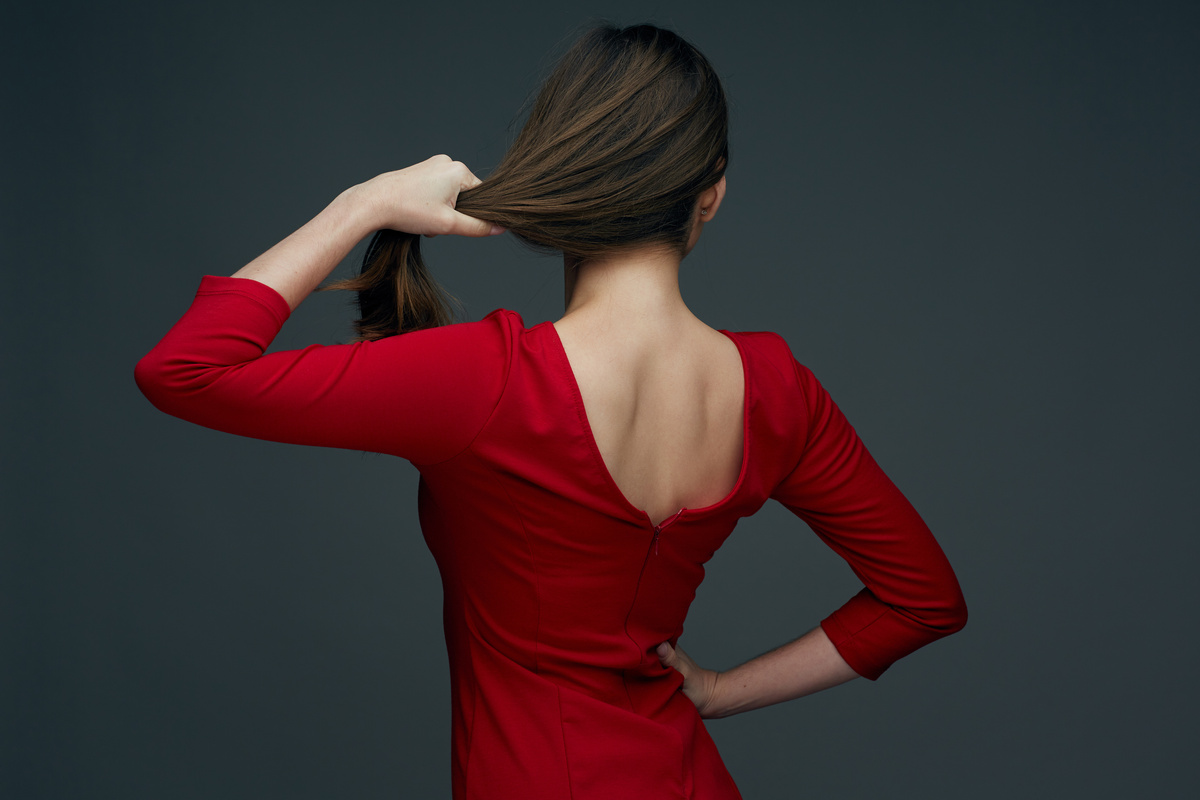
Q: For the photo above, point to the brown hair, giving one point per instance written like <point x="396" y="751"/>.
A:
<point x="628" y="130"/>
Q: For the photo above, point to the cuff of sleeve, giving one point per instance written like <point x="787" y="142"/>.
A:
<point x="259" y="292"/>
<point x="844" y="626"/>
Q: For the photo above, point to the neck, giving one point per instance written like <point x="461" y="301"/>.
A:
<point x="633" y="287"/>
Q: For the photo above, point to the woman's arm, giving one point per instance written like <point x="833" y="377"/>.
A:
<point x="420" y="396"/>
<point x="296" y="266"/>
<point x="798" y="668"/>
<point x="418" y="199"/>
<point x="910" y="594"/>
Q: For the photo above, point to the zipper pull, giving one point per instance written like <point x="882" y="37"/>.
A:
<point x="658" y="528"/>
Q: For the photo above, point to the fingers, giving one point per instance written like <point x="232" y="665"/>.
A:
<point x="470" y="179"/>
<point x="674" y="657"/>
<point x="469" y="226"/>
<point x="461" y="224"/>
<point x="421" y="199"/>
<point x="466" y="178"/>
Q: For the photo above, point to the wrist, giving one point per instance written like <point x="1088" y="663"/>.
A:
<point x="715" y="708"/>
<point x="296" y="266"/>
<point x="359" y="207"/>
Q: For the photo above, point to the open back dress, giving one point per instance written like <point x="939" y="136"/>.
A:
<point x="557" y="590"/>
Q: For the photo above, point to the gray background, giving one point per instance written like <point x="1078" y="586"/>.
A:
<point x="975" y="222"/>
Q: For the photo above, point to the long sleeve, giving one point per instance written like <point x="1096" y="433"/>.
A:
<point x="422" y="395"/>
<point x="911" y="596"/>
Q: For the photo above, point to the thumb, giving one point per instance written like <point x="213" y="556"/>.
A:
<point x="665" y="652"/>
<point x="469" y="226"/>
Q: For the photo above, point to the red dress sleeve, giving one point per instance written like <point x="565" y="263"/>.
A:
<point x="911" y="595"/>
<point x="422" y="395"/>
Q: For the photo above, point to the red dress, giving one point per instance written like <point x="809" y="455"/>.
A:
<point x="557" y="590"/>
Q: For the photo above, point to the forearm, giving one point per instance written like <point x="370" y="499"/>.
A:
<point x="801" y="667"/>
<point x="296" y="266"/>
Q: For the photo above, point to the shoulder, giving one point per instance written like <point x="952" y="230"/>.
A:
<point x="456" y="375"/>
<point x="504" y="318"/>
<point x="470" y="358"/>
<point x="500" y="321"/>
<point x="772" y="357"/>
<point x="780" y="378"/>
<point x="490" y="336"/>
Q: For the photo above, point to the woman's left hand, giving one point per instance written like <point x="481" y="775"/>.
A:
<point x="420" y="199"/>
<point x="699" y="684"/>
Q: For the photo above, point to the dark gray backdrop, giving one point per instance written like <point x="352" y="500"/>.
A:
<point x="975" y="222"/>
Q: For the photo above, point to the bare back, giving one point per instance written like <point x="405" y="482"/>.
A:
<point x="667" y="415"/>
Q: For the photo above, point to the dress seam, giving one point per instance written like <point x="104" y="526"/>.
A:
<point x="537" y="586"/>
<point x="882" y="612"/>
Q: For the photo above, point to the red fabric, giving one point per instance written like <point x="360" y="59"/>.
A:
<point x="557" y="589"/>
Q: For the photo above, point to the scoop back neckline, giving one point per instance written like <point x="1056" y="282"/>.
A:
<point x="589" y="434"/>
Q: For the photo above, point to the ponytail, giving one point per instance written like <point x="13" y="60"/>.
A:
<point x="627" y="131"/>
<point x="396" y="293"/>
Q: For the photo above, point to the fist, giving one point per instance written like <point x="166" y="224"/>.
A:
<point x="420" y="199"/>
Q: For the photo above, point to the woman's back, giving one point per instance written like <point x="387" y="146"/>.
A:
<point x="665" y="403"/>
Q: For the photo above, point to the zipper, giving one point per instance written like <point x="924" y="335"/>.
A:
<point x="659" y="527"/>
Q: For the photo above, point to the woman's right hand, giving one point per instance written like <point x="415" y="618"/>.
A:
<point x="420" y="199"/>
<point x="699" y="684"/>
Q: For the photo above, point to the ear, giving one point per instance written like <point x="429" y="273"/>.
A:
<point x="710" y="200"/>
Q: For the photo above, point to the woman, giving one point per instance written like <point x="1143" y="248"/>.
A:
<point x="577" y="474"/>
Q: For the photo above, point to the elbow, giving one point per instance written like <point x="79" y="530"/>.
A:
<point x="941" y="615"/>
<point x="946" y="612"/>
<point x="958" y="608"/>
<point x="150" y="377"/>
<point x="957" y="619"/>
<point x="163" y="382"/>
<point x="953" y="615"/>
